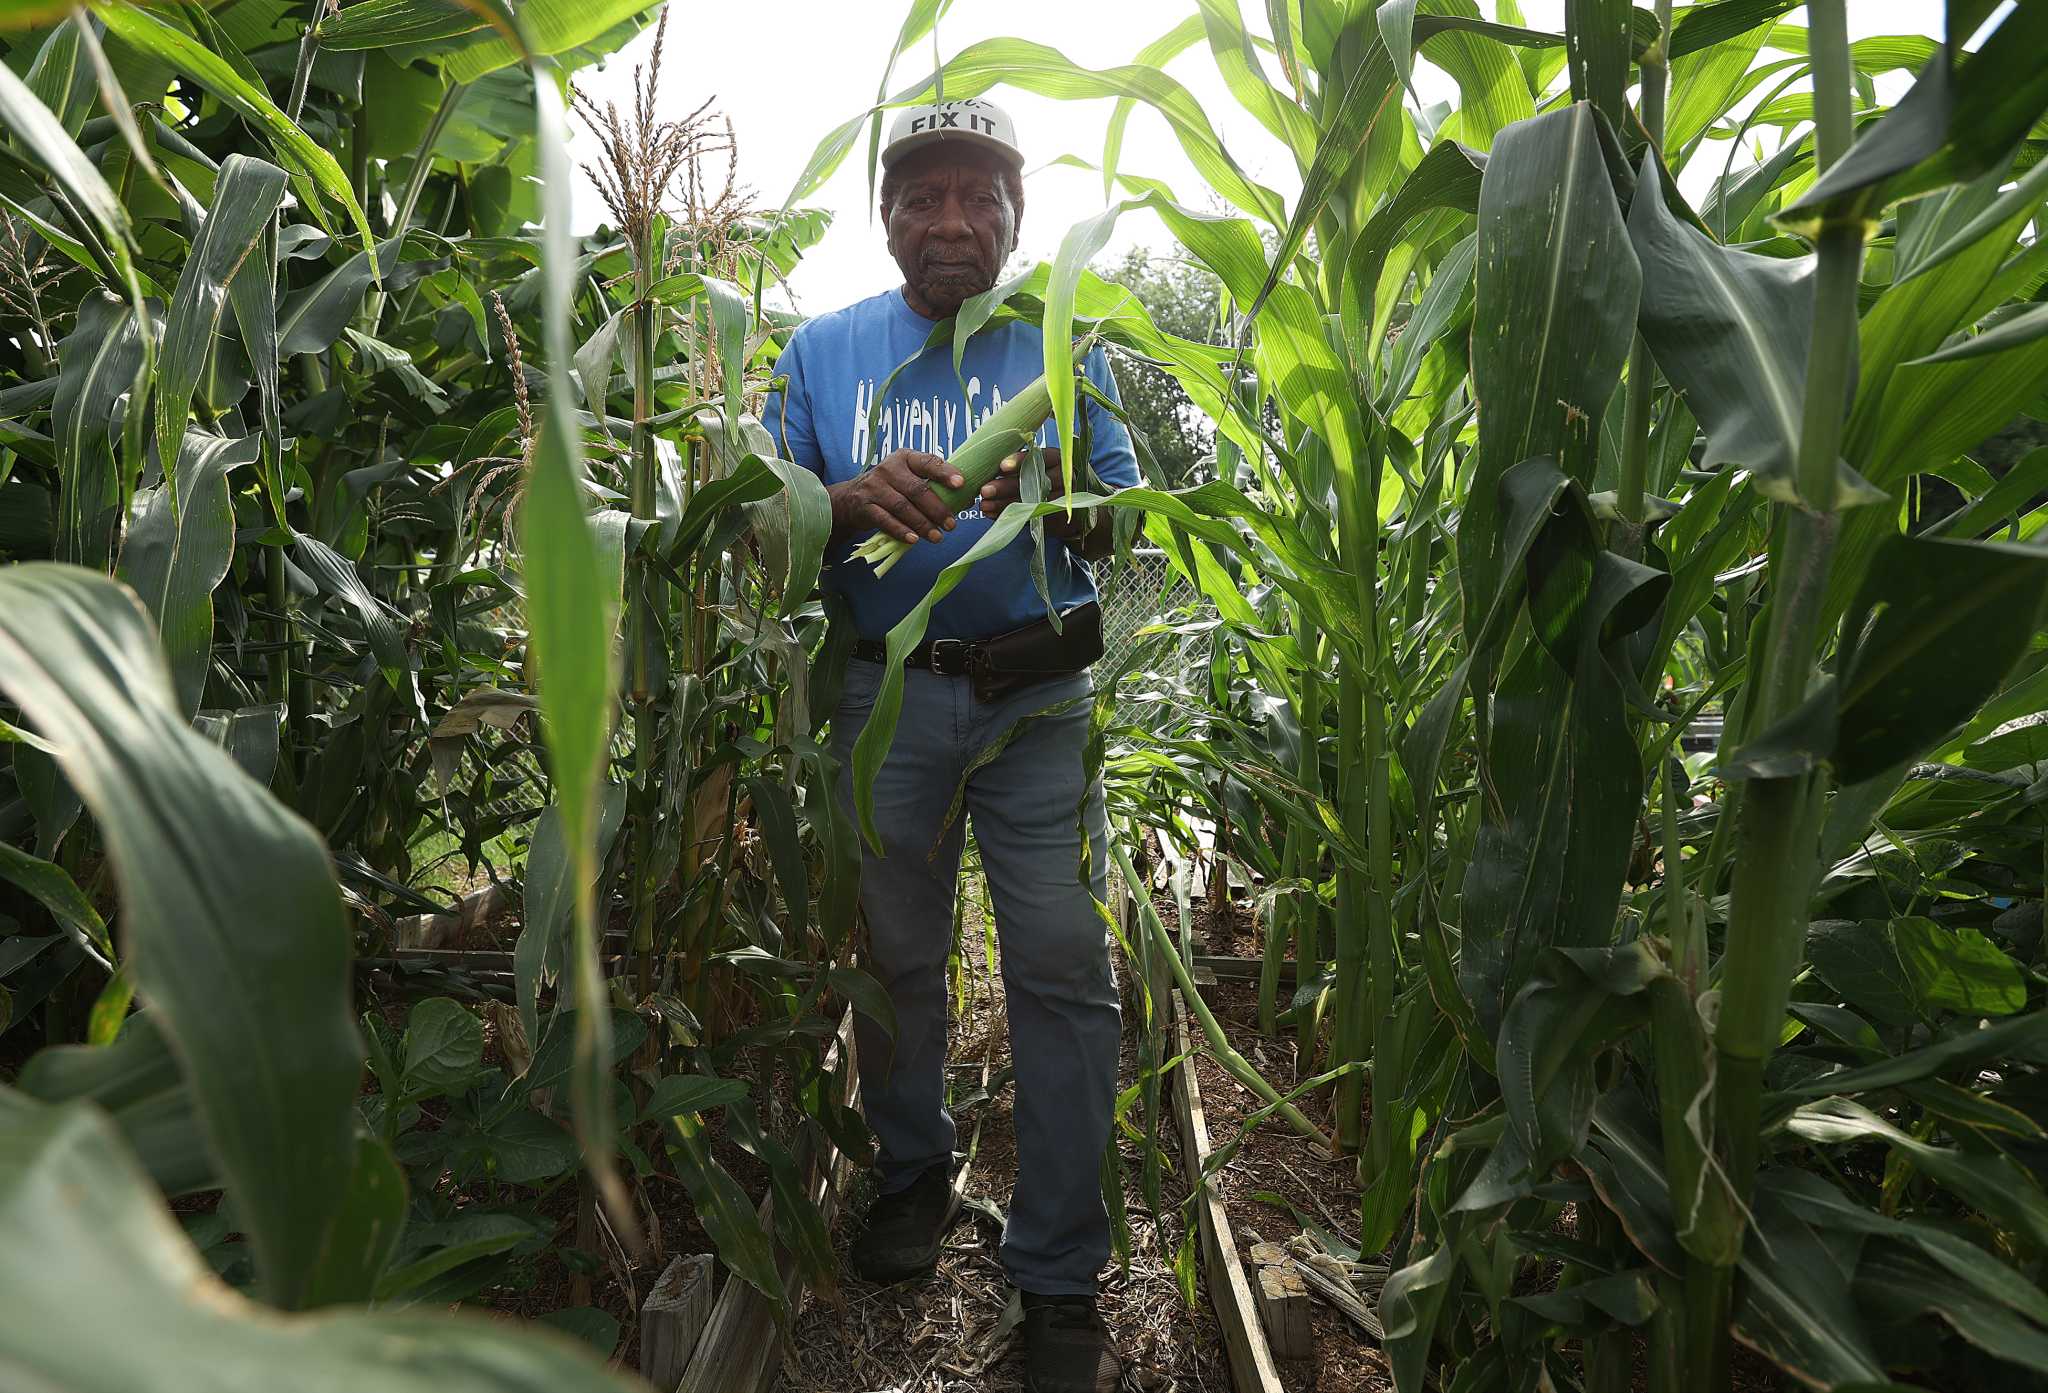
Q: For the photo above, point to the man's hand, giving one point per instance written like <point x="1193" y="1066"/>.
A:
<point x="1087" y="534"/>
<point x="1008" y="487"/>
<point x="896" y="498"/>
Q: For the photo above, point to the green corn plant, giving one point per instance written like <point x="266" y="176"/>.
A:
<point x="1772" y="880"/>
<point x="1702" y="1150"/>
<point x="1783" y="801"/>
<point x="341" y="491"/>
<point x="645" y="155"/>
<point x="355" y="618"/>
<point x="324" y="1211"/>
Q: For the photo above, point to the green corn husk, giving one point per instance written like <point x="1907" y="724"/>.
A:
<point x="1010" y="428"/>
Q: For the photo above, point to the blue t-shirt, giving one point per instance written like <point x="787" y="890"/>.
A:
<point x="837" y="362"/>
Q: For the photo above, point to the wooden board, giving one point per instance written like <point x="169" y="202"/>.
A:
<point x="484" y="961"/>
<point x="1252" y="1369"/>
<point x="1240" y="969"/>
<point x="741" y="1350"/>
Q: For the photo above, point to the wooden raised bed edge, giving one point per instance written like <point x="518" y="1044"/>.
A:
<point x="612" y="953"/>
<point x="1237" y="969"/>
<point x="741" y="1350"/>
<point x="1251" y="1359"/>
<point x="1252" y="1369"/>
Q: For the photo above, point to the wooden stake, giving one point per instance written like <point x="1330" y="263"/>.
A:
<point x="672" y="1318"/>
<point x="1283" y="1306"/>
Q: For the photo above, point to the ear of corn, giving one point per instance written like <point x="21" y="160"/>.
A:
<point x="1008" y="429"/>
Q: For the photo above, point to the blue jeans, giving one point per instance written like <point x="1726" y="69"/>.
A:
<point x="1028" y="804"/>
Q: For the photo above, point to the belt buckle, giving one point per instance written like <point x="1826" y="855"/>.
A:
<point x="949" y="657"/>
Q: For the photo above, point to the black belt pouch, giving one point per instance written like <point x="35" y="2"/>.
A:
<point x="1035" y="653"/>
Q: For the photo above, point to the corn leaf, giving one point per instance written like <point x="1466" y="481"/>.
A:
<point x="1037" y="68"/>
<point x="921" y="19"/>
<point x="546" y="27"/>
<point x="798" y="519"/>
<point x="336" y="576"/>
<point x="1703" y="26"/>
<point x="181" y="547"/>
<point x="726" y="1212"/>
<point x="137" y="1080"/>
<point x="1731" y="329"/>
<point x="247" y="192"/>
<point x="2014" y="332"/>
<point x="70" y="1188"/>
<point x="313" y="168"/>
<point x="1079" y="247"/>
<point x="235" y="907"/>
<point x="1237" y="60"/>
<point x="37" y="127"/>
<point x="1992" y="1182"/>
<point x="385" y="23"/>
<point x="572" y="598"/>
<point x="1156" y="54"/>
<point x="1449" y="176"/>
<point x="1798" y="1308"/>
<point x="1556" y="308"/>
<point x="1493" y="94"/>
<point x="95" y="366"/>
<point x="1351" y="131"/>
<point x="1549" y="862"/>
<point x="1960" y="119"/>
<point x="53" y="888"/>
<point x="1705" y="82"/>
<point x="1597" y="43"/>
<point x="1821" y="1204"/>
<point x="1935" y="628"/>
<point x="548" y="911"/>
<point x="312" y="318"/>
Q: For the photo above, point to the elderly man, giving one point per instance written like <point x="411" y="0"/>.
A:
<point x="952" y="201"/>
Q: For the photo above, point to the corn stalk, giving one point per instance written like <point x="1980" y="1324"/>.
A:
<point x="646" y="612"/>
<point x="1775" y="843"/>
<point x="1635" y="440"/>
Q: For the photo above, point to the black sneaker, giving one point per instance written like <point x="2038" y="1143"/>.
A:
<point x="904" y="1230"/>
<point x="1067" y="1348"/>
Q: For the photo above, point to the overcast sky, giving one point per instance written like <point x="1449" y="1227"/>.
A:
<point x="823" y="60"/>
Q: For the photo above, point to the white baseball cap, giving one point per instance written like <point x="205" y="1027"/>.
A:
<point x="972" y="122"/>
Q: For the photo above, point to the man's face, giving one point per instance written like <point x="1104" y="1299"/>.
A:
<point x="951" y="227"/>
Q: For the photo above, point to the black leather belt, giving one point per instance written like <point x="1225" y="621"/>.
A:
<point x="948" y="657"/>
<point x="1004" y="662"/>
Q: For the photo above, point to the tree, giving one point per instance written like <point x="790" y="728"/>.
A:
<point x="1185" y="299"/>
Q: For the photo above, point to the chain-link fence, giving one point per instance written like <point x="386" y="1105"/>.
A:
<point x="1134" y="593"/>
